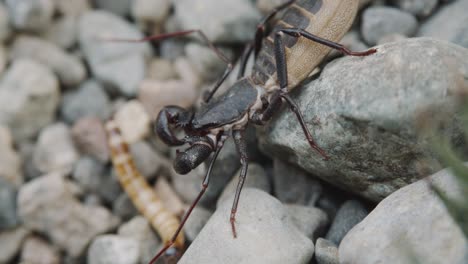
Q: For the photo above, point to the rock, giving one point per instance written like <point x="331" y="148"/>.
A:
<point x="133" y="121"/>
<point x="410" y="222"/>
<point x="326" y="252"/>
<point x="256" y="178"/>
<point x="89" y="173"/>
<point x="206" y="62"/>
<point x="147" y="160"/>
<point x="4" y="23"/>
<point x="110" y="187"/>
<point x="420" y="8"/>
<point x="3" y="59"/>
<point x="350" y="214"/>
<point x="27" y="104"/>
<point x="293" y="185"/>
<point x="118" y="7"/>
<point x="139" y="229"/>
<point x="154" y="95"/>
<point x="8" y="217"/>
<point x="196" y="222"/>
<point x="55" y="150"/>
<point x="449" y="24"/>
<point x="72" y="8"/>
<point x="187" y="73"/>
<point x="68" y="68"/>
<point x="10" y="161"/>
<point x="89" y="100"/>
<point x="63" y="32"/>
<point x="31" y="15"/>
<point x="113" y="249"/>
<point x="265" y="234"/>
<point x="391" y="38"/>
<point x="123" y="207"/>
<point x="36" y="250"/>
<point x="380" y="21"/>
<point x="150" y="12"/>
<point x="161" y="70"/>
<point x="309" y="220"/>
<point x="11" y="241"/>
<point x="220" y="20"/>
<point x="116" y="63"/>
<point x="90" y="138"/>
<point x="364" y="112"/>
<point x="47" y="205"/>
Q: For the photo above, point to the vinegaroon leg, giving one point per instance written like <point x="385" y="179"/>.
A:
<point x="239" y="140"/>
<point x="205" y="183"/>
<point x="210" y="44"/>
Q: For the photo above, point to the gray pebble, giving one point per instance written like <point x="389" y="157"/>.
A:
<point x="293" y="185"/>
<point x="89" y="173"/>
<point x="265" y="234"/>
<point x="55" y="150"/>
<point x="380" y="21"/>
<point x="410" y="222"/>
<point x="122" y="65"/>
<point x="326" y="252"/>
<point x="89" y="137"/>
<point x="350" y="213"/>
<point x="47" y="205"/>
<point x="11" y="241"/>
<point x="31" y="15"/>
<point x="147" y="160"/>
<point x="89" y="100"/>
<point x="4" y="23"/>
<point x="124" y="207"/>
<point x="68" y="68"/>
<point x="196" y="222"/>
<point x="8" y="217"/>
<point x="309" y="220"/>
<point x="28" y="104"/>
<point x="63" y="32"/>
<point x="205" y="61"/>
<point x="37" y="250"/>
<point x="221" y="20"/>
<point x="363" y="112"/>
<point x="420" y="8"/>
<point x="113" y="249"/>
<point x="110" y="187"/>
<point x="10" y="161"/>
<point x="118" y="7"/>
<point x="449" y="24"/>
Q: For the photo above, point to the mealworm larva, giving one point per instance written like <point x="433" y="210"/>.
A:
<point x="142" y="195"/>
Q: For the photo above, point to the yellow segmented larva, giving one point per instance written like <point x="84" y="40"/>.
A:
<point x="142" y="195"/>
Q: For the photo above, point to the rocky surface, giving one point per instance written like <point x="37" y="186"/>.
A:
<point x="410" y="222"/>
<point x="363" y="112"/>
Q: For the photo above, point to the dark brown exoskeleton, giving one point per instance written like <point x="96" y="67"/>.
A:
<point x="285" y="56"/>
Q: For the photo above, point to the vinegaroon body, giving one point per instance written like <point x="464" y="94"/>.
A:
<point x="284" y="56"/>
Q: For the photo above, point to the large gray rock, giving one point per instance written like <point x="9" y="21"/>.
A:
<point x="450" y="24"/>
<point x="410" y="222"/>
<point x="47" y="205"/>
<point x="265" y="234"/>
<point x="363" y="113"/>
<point x="29" y="95"/>
<point x="220" y="20"/>
<point x="120" y="64"/>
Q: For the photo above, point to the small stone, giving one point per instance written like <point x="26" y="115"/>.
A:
<point x="147" y="160"/>
<point x="154" y="95"/>
<point x="72" y="8"/>
<point x="265" y="234"/>
<point x="450" y="23"/>
<point x="122" y="65"/>
<point x="411" y="222"/>
<point x="36" y="250"/>
<point x="31" y="15"/>
<point x="326" y="252"/>
<point x="29" y="95"/>
<point x="89" y="173"/>
<point x="10" y="161"/>
<point x="89" y="100"/>
<point x="118" y="7"/>
<point x="293" y="185"/>
<point x="63" y="31"/>
<point x="151" y="12"/>
<point x="221" y="20"/>
<point x="380" y="21"/>
<point x="205" y="61"/>
<point x="111" y="188"/>
<point x="196" y="222"/>
<point x="256" y="178"/>
<point x="11" y="241"/>
<point x="420" y="8"/>
<point x="8" y="217"/>
<point x="138" y="228"/>
<point x="309" y="220"/>
<point x="47" y="205"/>
<point x="113" y="249"/>
<point x="4" y="23"/>
<point x="161" y="70"/>
<point x="124" y="207"/>
<point x="89" y="136"/>
<point x="68" y="68"/>
<point x="55" y="150"/>
<point x="133" y="121"/>
<point x="350" y="214"/>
